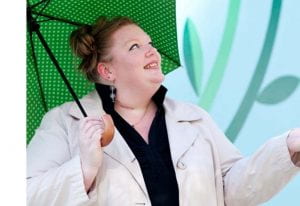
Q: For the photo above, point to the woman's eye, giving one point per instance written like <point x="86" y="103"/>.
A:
<point x="134" y="46"/>
<point x="152" y="44"/>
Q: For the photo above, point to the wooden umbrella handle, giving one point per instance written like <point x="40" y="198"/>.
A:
<point x="109" y="130"/>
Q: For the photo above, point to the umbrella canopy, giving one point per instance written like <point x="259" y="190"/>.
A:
<point x="58" y="18"/>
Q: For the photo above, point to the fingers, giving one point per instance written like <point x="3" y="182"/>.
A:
<point x="89" y="122"/>
<point x="89" y="119"/>
<point x="296" y="159"/>
<point x="293" y="140"/>
<point x="91" y="129"/>
<point x="96" y="137"/>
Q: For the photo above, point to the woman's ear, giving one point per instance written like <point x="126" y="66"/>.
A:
<point x="104" y="72"/>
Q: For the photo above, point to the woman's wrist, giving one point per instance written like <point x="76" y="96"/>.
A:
<point x="89" y="176"/>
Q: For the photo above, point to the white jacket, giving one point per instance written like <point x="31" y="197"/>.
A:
<point x="209" y="169"/>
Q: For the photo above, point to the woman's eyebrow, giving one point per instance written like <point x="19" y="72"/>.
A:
<point x="136" y="40"/>
<point x="130" y="40"/>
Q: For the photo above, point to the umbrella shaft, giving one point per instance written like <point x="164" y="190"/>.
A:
<point x="53" y="59"/>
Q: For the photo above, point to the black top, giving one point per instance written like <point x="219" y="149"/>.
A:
<point x="154" y="158"/>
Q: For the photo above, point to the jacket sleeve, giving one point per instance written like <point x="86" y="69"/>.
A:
<point x="54" y="177"/>
<point x="252" y="180"/>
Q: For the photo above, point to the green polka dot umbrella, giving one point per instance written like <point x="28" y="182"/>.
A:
<point x="58" y="18"/>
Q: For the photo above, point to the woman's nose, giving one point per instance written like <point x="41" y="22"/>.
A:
<point x="150" y="50"/>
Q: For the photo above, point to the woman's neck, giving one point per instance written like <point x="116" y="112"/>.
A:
<point x="134" y="99"/>
<point x="135" y="106"/>
<point x="136" y="116"/>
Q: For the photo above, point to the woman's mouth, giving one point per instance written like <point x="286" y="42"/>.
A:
<point x="152" y="65"/>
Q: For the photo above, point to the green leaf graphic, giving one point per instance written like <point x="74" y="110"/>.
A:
<point x="217" y="72"/>
<point x="260" y="71"/>
<point x="278" y="90"/>
<point x="193" y="55"/>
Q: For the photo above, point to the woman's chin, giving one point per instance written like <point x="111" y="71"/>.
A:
<point x="158" y="79"/>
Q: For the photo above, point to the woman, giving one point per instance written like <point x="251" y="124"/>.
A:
<point x="163" y="152"/>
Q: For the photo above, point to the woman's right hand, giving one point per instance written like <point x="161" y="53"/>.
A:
<point x="91" y="155"/>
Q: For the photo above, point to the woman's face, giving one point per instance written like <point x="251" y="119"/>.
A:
<point x="135" y="62"/>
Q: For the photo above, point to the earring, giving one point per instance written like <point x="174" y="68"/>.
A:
<point x="112" y="93"/>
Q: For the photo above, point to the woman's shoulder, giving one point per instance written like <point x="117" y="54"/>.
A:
<point x="184" y="110"/>
<point x="67" y="107"/>
<point x="56" y="115"/>
<point x="60" y="109"/>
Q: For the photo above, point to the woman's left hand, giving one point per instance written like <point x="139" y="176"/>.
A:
<point x="293" y="143"/>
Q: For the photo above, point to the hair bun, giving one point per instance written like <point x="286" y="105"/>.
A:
<point x="92" y="43"/>
<point x="82" y="41"/>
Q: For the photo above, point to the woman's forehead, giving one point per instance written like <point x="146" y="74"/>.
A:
<point x="129" y="33"/>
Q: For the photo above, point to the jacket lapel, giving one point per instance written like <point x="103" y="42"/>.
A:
<point x="181" y="133"/>
<point x="119" y="151"/>
<point x="92" y="105"/>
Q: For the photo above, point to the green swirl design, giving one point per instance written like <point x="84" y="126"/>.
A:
<point x="220" y="63"/>
<point x="260" y="71"/>
<point x="193" y="55"/>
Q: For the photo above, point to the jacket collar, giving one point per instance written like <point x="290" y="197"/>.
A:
<point x="91" y="103"/>
<point x="93" y="106"/>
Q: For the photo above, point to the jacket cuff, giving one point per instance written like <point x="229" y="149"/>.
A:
<point x="284" y="156"/>
<point x="78" y="182"/>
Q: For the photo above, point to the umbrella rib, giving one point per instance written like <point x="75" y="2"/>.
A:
<point x="45" y="6"/>
<point x="60" y="71"/>
<point x="37" y="4"/>
<point x="37" y="73"/>
<point x="58" y="19"/>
